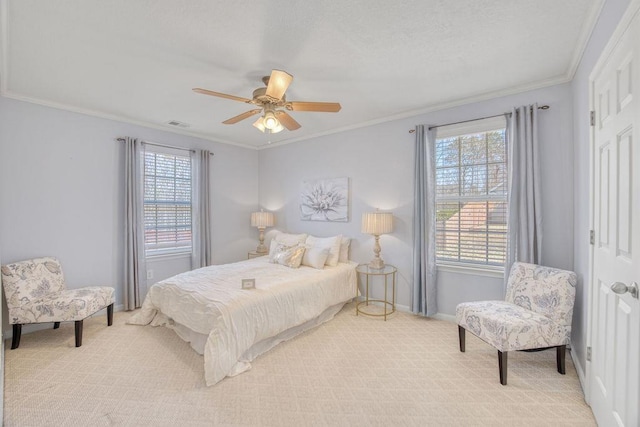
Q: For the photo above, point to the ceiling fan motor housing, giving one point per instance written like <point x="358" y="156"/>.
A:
<point x="260" y="97"/>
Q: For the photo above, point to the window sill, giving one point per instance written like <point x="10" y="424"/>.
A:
<point x="475" y="270"/>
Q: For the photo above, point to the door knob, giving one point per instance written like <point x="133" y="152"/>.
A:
<point x="621" y="288"/>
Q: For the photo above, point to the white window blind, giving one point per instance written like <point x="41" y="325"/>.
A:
<point x="471" y="196"/>
<point x="167" y="202"/>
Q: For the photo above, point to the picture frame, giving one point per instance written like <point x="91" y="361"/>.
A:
<point x="248" y="283"/>
<point x="325" y="200"/>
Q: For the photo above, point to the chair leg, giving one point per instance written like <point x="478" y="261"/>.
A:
<point x="502" y="364"/>
<point x="560" y="356"/>
<point x="79" y="333"/>
<point x="15" y="341"/>
<point x="110" y="314"/>
<point x="461" y="337"/>
<point x="56" y="325"/>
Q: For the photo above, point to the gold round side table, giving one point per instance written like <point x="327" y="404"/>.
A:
<point x="388" y="273"/>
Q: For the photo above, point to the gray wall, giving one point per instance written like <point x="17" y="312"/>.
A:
<point x="379" y="162"/>
<point x="61" y="192"/>
<point x="608" y="20"/>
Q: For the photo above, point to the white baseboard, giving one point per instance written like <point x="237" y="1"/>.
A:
<point x="581" y="374"/>
<point x="407" y="309"/>
<point x="34" y="327"/>
<point x="445" y="317"/>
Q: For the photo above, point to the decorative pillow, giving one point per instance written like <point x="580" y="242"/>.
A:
<point x="315" y="257"/>
<point x="344" y="249"/>
<point x="331" y="243"/>
<point x="289" y="256"/>
<point x="290" y="239"/>
<point x="272" y="248"/>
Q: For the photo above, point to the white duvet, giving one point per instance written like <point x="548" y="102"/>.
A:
<point x="211" y="301"/>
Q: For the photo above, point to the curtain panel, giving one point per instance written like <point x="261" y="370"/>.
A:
<point x="424" y="225"/>
<point x="201" y="255"/>
<point x="524" y="225"/>
<point x="134" y="260"/>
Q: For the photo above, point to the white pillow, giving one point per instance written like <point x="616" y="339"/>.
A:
<point x="272" y="248"/>
<point x="315" y="257"/>
<point x="344" y="249"/>
<point x="332" y="243"/>
<point x="290" y="239"/>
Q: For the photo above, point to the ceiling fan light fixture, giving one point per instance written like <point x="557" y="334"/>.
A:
<point x="259" y="124"/>
<point x="270" y="121"/>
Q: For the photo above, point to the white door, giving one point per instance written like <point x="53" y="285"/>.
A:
<point x="613" y="373"/>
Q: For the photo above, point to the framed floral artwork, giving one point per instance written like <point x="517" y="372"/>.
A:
<point x="325" y="200"/>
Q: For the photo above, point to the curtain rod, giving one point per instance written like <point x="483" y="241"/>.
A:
<point x="163" y="145"/>
<point x="542" y="107"/>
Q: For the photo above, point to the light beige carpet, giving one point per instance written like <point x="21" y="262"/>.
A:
<point x="351" y="371"/>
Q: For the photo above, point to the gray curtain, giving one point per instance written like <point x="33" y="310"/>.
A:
<point x="524" y="225"/>
<point x="424" y="225"/>
<point x="201" y="256"/>
<point x="134" y="264"/>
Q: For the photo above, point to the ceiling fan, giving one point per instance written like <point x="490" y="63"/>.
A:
<point x="273" y="103"/>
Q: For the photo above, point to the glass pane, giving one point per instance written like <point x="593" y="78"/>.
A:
<point x="497" y="178"/>
<point x="183" y="168"/>
<point x="473" y="149"/>
<point x="447" y="182"/>
<point x="447" y="225"/>
<point x="183" y="190"/>
<point x="149" y="163"/>
<point x="447" y="151"/>
<point x="165" y="165"/>
<point x="496" y="148"/>
<point x="474" y="180"/>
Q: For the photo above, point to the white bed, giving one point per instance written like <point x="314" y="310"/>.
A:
<point x="231" y="326"/>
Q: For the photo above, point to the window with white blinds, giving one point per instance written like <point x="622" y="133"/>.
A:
<point x="471" y="195"/>
<point x="167" y="202"/>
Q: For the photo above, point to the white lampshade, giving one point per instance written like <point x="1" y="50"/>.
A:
<point x="377" y="223"/>
<point x="259" y="124"/>
<point x="262" y="219"/>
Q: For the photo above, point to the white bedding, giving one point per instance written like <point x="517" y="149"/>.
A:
<point x="210" y="301"/>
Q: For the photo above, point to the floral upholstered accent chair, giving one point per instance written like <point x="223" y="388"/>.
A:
<point x="536" y="314"/>
<point x="36" y="293"/>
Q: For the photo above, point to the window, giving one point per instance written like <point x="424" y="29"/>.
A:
<point x="167" y="202"/>
<point x="471" y="194"/>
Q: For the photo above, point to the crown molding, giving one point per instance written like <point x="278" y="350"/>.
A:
<point x="430" y="109"/>
<point x="122" y="119"/>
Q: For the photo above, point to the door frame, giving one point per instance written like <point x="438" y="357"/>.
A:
<point x="632" y="11"/>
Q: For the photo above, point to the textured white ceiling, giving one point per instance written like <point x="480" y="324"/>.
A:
<point x="137" y="60"/>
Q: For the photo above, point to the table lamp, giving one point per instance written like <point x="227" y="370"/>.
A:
<point x="377" y="223"/>
<point x="262" y="220"/>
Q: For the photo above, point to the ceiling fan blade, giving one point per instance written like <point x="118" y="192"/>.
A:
<point x="278" y="84"/>
<point x="242" y="116"/>
<point x="324" y="107"/>
<point x="221" y="95"/>
<point x="287" y="121"/>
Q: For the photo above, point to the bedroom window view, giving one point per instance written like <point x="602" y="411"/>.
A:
<point x="471" y="198"/>
<point x="167" y="203"/>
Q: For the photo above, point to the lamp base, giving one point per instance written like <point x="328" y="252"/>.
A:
<point x="261" y="249"/>
<point x="376" y="263"/>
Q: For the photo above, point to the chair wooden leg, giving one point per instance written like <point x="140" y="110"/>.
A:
<point x="502" y="365"/>
<point x="560" y="356"/>
<point x="461" y="337"/>
<point x="110" y="315"/>
<point x="15" y="341"/>
<point x="79" y="333"/>
<point x="56" y="325"/>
